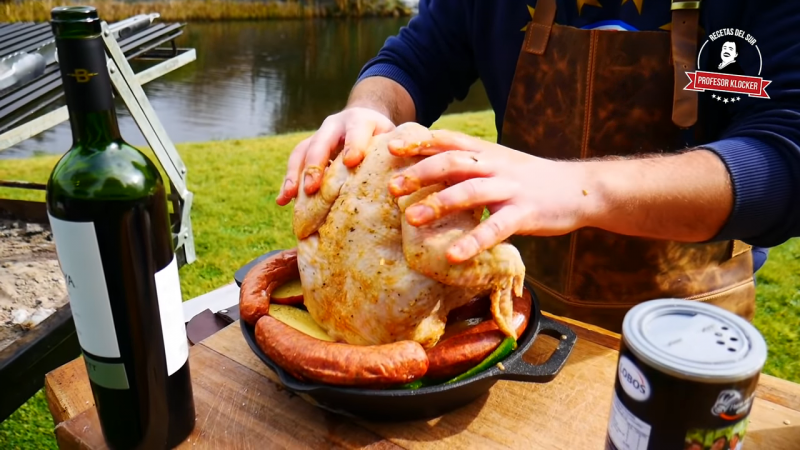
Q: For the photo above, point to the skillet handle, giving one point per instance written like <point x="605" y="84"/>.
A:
<point x="520" y="370"/>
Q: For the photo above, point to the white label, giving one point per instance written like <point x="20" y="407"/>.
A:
<point x="627" y="431"/>
<point x="632" y="380"/>
<point x="79" y="257"/>
<point x="170" y="305"/>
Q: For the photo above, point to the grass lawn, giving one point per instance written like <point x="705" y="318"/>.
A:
<point x="235" y="219"/>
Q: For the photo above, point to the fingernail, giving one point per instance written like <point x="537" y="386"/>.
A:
<point x="287" y="185"/>
<point x="397" y="182"/>
<point x="345" y="152"/>
<point x="458" y="251"/>
<point x="399" y="147"/>
<point x="312" y="176"/>
<point x="403" y="184"/>
<point x="421" y="213"/>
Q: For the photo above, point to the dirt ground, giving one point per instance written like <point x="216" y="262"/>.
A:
<point x="31" y="284"/>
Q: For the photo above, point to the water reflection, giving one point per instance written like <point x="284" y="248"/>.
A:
<point x="253" y="79"/>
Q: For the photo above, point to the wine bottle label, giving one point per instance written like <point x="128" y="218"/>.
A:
<point x="87" y="84"/>
<point x="170" y="305"/>
<point x="79" y="257"/>
<point x="107" y="375"/>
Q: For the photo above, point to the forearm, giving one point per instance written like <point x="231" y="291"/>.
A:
<point x="686" y="197"/>
<point x="385" y="96"/>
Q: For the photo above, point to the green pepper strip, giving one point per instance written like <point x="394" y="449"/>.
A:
<point x="507" y="346"/>
<point x="504" y="349"/>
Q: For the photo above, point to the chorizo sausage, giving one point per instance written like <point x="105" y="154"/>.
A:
<point x="466" y="349"/>
<point x="261" y="280"/>
<point x="310" y="359"/>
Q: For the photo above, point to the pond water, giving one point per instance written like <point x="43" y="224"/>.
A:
<point x="254" y="79"/>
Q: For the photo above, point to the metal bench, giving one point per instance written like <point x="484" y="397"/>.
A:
<point x="138" y="37"/>
<point x="30" y="87"/>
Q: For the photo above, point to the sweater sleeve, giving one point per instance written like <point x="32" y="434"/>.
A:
<point x="431" y="57"/>
<point x="761" y="147"/>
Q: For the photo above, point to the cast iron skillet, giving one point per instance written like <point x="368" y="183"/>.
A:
<point x="432" y="401"/>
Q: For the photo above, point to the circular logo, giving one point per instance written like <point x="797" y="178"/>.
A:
<point x="632" y="380"/>
<point x="728" y="52"/>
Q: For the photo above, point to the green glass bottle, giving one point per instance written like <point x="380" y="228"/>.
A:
<point x="108" y="211"/>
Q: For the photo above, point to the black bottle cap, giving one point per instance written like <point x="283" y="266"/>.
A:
<point x="74" y="14"/>
<point x="75" y="21"/>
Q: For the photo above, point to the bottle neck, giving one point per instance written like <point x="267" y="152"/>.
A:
<point x="88" y="92"/>
<point x="94" y="129"/>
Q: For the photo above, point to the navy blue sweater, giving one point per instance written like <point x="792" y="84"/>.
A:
<point x="451" y="44"/>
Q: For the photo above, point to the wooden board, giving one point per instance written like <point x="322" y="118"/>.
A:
<point x="235" y="408"/>
<point x="240" y="405"/>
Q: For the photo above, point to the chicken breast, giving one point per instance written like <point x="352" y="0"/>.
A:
<point x="369" y="277"/>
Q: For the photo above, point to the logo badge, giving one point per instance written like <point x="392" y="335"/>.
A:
<point x="82" y="75"/>
<point x="731" y="405"/>
<point x="725" y="49"/>
<point x="632" y="380"/>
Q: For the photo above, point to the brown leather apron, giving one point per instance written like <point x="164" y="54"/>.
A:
<point x="593" y="93"/>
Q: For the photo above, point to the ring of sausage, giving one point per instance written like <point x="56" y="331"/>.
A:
<point x="261" y="280"/>
<point x="310" y="359"/>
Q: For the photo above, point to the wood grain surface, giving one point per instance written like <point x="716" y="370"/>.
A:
<point x="240" y="405"/>
<point x="236" y="408"/>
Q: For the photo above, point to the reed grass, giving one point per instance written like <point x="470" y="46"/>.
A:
<point x="207" y="10"/>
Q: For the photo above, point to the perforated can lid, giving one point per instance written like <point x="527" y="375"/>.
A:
<point x="694" y="340"/>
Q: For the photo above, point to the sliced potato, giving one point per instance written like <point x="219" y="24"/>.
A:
<point x="299" y="320"/>
<point x="289" y="293"/>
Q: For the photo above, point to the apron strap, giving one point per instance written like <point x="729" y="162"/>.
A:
<point x="685" y="18"/>
<point x="739" y="247"/>
<point x="539" y="28"/>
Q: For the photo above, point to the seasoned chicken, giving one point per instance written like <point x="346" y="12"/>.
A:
<point x="369" y="277"/>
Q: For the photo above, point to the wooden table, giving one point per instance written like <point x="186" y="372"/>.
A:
<point x="240" y="405"/>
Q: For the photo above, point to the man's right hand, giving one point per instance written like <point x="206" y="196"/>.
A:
<point x="349" y="130"/>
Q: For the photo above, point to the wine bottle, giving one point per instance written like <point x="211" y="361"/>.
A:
<point x="107" y="207"/>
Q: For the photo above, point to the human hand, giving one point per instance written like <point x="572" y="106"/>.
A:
<point x="349" y="130"/>
<point x="524" y="194"/>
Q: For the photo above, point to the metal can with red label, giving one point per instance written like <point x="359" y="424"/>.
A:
<point x="686" y="378"/>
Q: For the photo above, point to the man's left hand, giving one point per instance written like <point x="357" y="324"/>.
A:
<point x="525" y="195"/>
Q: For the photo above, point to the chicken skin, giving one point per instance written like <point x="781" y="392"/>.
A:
<point x="369" y="277"/>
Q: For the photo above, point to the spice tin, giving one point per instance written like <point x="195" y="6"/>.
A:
<point x="686" y="378"/>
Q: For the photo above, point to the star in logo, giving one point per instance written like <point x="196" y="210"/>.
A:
<point x="594" y="3"/>
<point x="722" y="99"/>
<point x="580" y="4"/>
<point x="531" y="10"/>
<point x="638" y="4"/>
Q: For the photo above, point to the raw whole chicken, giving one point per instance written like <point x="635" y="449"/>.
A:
<point x="369" y="277"/>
